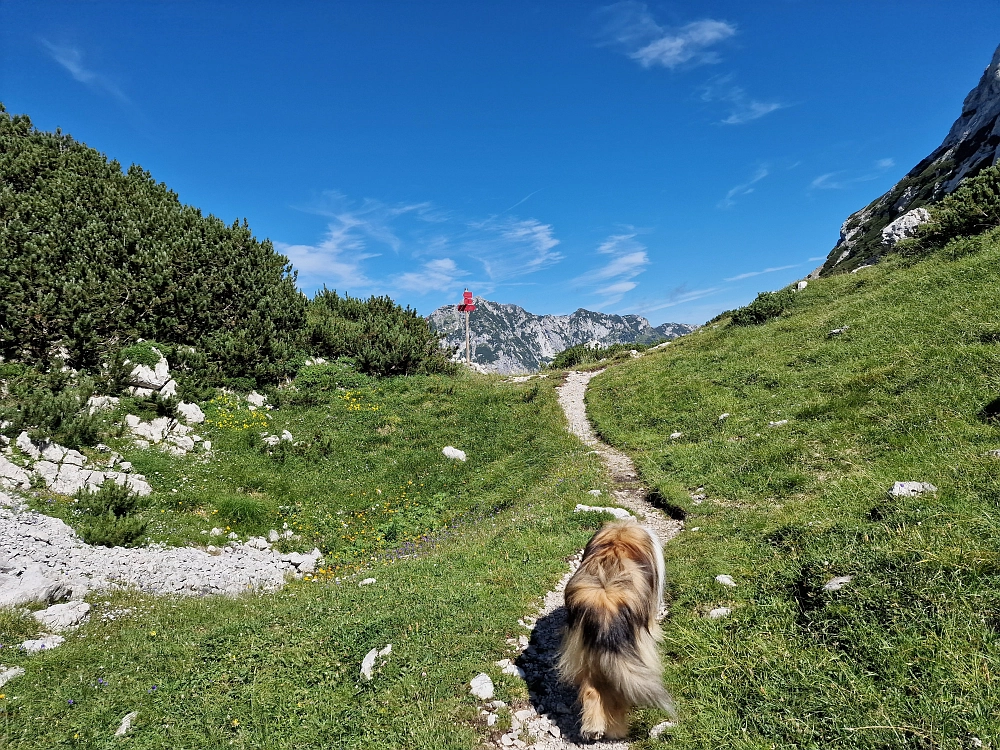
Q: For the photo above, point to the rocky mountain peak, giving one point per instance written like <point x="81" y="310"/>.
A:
<point x="972" y="144"/>
<point x="507" y="338"/>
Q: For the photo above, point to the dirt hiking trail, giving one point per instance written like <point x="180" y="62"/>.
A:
<point x="553" y="718"/>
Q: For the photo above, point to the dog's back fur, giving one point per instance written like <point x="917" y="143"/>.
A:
<point x="609" y="649"/>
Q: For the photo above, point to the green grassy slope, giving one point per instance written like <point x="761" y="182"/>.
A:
<point x="281" y="670"/>
<point x="907" y="653"/>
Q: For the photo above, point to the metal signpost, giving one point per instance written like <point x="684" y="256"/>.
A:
<point x="467" y="307"/>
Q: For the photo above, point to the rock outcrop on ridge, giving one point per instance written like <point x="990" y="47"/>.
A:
<point x="508" y="339"/>
<point x="972" y="144"/>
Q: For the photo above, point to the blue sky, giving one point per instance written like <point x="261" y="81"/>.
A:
<point x="668" y="159"/>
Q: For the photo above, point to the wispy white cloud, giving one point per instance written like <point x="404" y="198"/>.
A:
<point x="438" y="275"/>
<point x="743" y="107"/>
<point x="426" y="249"/>
<point x="71" y="59"/>
<point x="336" y="261"/>
<point x="628" y="259"/>
<point x="679" y="296"/>
<point x="509" y="247"/>
<point x="750" y="274"/>
<point x="845" y="178"/>
<point x="743" y="189"/>
<point x="630" y="26"/>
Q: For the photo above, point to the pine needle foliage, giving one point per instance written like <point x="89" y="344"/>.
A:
<point x="971" y="210"/>
<point x="95" y="258"/>
<point x="767" y="306"/>
<point x="381" y="337"/>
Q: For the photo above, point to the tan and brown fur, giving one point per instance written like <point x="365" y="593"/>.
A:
<point x="609" y="649"/>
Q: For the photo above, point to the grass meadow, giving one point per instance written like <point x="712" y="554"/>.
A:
<point x="460" y="551"/>
<point x="907" y="654"/>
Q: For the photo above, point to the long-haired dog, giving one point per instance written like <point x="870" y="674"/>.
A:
<point x="609" y="647"/>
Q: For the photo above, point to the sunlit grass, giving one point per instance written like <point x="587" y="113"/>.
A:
<point x="906" y="654"/>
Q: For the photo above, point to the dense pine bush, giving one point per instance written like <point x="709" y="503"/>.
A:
<point x="381" y="337"/>
<point x="95" y="258"/>
<point x="108" y="516"/>
<point x="972" y="209"/>
<point x="768" y="305"/>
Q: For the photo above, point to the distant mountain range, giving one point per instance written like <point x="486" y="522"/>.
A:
<point x="972" y="144"/>
<point x="509" y="339"/>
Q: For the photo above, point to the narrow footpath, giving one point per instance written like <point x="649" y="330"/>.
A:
<point x="552" y="718"/>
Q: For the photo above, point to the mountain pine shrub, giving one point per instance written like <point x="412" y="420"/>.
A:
<point x="972" y="209"/>
<point x="768" y="305"/>
<point x="108" y="516"/>
<point x="95" y="258"/>
<point x="381" y="337"/>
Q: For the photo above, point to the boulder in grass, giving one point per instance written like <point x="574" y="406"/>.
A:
<point x="911" y="489"/>
<point x="60" y="617"/>
<point x="126" y="723"/>
<point x="9" y="673"/>
<point x="44" y="643"/>
<point x="368" y="663"/>
<point x="836" y="584"/>
<point x="453" y="453"/>
<point x="481" y="686"/>
<point x="190" y="413"/>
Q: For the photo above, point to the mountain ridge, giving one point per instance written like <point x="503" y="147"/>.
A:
<point x="972" y="144"/>
<point x="507" y="339"/>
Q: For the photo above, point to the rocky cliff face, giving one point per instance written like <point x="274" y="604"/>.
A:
<point x="509" y="339"/>
<point x="973" y="143"/>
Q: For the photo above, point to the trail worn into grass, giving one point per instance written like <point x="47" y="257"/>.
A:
<point x="554" y="718"/>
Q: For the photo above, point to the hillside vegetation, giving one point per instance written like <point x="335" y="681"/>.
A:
<point x="95" y="258"/>
<point x="459" y="550"/>
<point x="791" y="491"/>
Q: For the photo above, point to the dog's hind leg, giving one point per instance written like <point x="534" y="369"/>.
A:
<point x="593" y="723"/>
<point x="616" y="714"/>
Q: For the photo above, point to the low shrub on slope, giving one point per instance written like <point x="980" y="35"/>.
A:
<point x="797" y="480"/>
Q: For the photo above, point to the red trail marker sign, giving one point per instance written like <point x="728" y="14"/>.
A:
<point x="467" y="307"/>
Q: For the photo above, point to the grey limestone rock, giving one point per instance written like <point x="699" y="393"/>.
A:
<point x="190" y="413"/>
<point x="905" y="226"/>
<point x="27" y="447"/>
<point x="13" y="475"/>
<point x="911" y="489"/>
<point x="31" y="587"/>
<point x="61" y="617"/>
